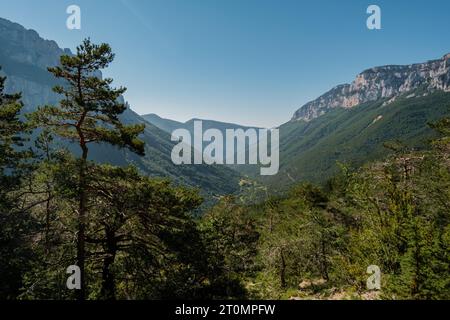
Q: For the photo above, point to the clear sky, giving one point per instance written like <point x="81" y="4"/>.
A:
<point x="252" y="62"/>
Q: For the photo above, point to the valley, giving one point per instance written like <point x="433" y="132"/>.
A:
<point x="356" y="188"/>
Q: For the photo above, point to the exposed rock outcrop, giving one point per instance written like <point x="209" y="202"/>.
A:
<point x="380" y="82"/>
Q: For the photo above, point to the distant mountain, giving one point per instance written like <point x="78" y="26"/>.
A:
<point x="310" y="150"/>
<point x="164" y="124"/>
<point x="351" y="123"/>
<point x="387" y="82"/>
<point x="171" y="125"/>
<point x="24" y="58"/>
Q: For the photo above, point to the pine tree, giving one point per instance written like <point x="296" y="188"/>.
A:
<point x="14" y="222"/>
<point x="138" y="224"/>
<point x="11" y="133"/>
<point x="88" y="113"/>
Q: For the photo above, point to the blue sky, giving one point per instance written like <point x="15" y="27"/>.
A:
<point x="252" y="62"/>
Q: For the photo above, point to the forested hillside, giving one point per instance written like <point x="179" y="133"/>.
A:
<point x="310" y="151"/>
<point x="317" y="243"/>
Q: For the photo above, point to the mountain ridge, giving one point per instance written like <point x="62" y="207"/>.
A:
<point x="389" y="81"/>
<point x="169" y="125"/>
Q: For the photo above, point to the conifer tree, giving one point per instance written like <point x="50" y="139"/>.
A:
<point x="11" y="132"/>
<point x="88" y="113"/>
<point x="14" y="223"/>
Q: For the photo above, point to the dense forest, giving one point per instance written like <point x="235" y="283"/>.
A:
<point x="138" y="237"/>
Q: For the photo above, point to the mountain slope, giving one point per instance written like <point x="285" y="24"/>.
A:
<point x="351" y="123"/>
<point x="171" y="125"/>
<point x="386" y="82"/>
<point x="310" y="150"/>
<point x="164" y="124"/>
<point x="25" y="57"/>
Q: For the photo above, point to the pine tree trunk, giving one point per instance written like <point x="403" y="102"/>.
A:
<point x="282" y="270"/>
<point x="81" y="254"/>
<point x="47" y="221"/>
<point x="324" y="260"/>
<point x="108" y="285"/>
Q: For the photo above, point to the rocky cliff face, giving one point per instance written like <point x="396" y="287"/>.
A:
<point x="24" y="58"/>
<point x="378" y="83"/>
<point x="33" y="49"/>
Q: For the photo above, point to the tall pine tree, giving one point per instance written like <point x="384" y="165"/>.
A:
<point x="88" y="113"/>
